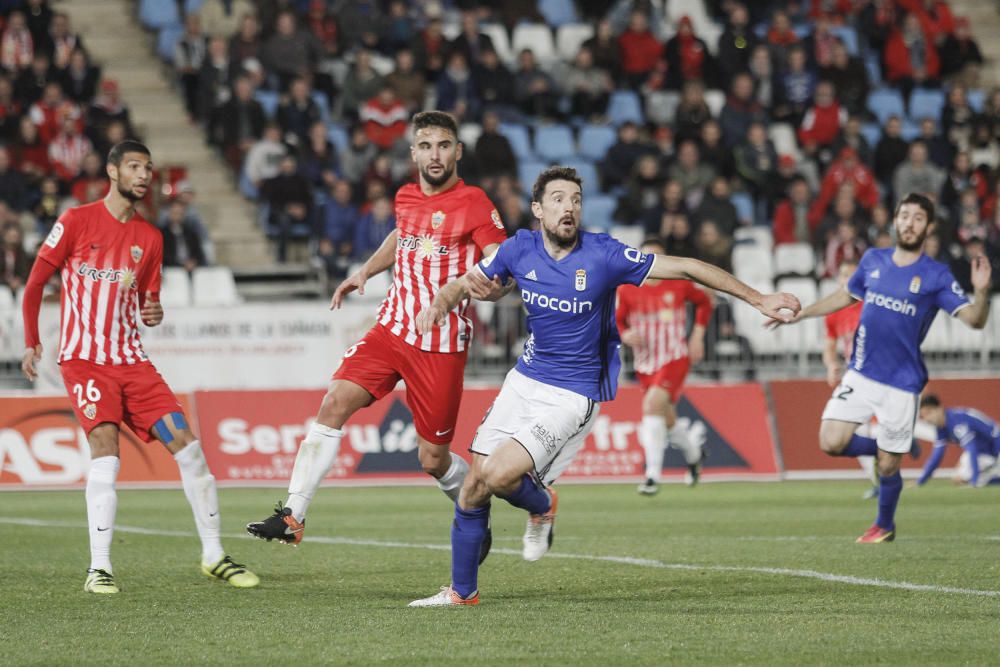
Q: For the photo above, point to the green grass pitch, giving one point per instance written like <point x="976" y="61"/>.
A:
<point x="763" y="573"/>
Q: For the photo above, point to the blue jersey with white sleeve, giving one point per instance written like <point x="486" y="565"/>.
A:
<point x="975" y="432"/>
<point x="572" y="336"/>
<point x="900" y="303"/>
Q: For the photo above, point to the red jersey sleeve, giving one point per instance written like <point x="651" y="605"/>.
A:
<point x="58" y="245"/>
<point x="487" y="227"/>
<point x="150" y="276"/>
<point x="623" y="307"/>
<point x="831" y="326"/>
<point x="702" y="304"/>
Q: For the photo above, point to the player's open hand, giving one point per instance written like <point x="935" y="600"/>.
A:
<point x="772" y="305"/>
<point x="430" y="317"/>
<point x="482" y="288"/>
<point x="151" y="312"/>
<point x="833" y="373"/>
<point x="632" y="338"/>
<point x="981" y="273"/>
<point x="354" y="282"/>
<point x="31" y="357"/>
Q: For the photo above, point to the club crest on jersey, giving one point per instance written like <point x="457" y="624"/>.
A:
<point x="90" y="411"/>
<point x="437" y="219"/>
<point x="495" y="217"/>
<point x="581" y="280"/>
<point x="136" y="252"/>
<point x="915" y="285"/>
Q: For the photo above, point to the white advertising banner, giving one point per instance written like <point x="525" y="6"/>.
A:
<point x="250" y="346"/>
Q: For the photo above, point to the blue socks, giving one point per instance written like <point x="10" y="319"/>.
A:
<point x="530" y="497"/>
<point x="860" y="446"/>
<point x="888" y="498"/>
<point x="467" y="534"/>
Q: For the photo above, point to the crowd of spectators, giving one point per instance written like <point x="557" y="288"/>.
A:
<point x="58" y="118"/>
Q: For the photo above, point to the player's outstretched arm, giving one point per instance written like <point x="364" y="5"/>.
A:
<point x="381" y="260"/>
<point x="41" y="272"/>
<point x="684" y="268"/>
<point x="831" y="303"/>
<point x="977" y="314"/>
<point x="445" y="300"/>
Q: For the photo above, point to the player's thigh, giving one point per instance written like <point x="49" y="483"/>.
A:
<point x="434" y="382"/>
<point x="147" y="401"/>
<point x="95" y="394"/>
<point x="853" y="402"/>
<point x="897" y="414"/>
<point x="505" y="467"/>
<point x="371" y="364"/>
<point x="567" y="454"/>
<point x="342" y="399"/>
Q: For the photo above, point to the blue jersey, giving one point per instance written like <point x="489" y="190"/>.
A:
<point x="900" y="303"/>
<point x="973" y="431"/>
<point x="572" y="337"/>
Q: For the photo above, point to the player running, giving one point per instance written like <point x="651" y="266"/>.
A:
<point x="975" y="433"/>
<point x="550" y="400"/>
<point x="652" y="320"/>
<point x="443" y="227"/>
<point x="840" y="327"/>
<point x="902" y="290"/>
<point x="109" y="260"/>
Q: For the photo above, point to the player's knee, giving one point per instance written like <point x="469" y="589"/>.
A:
<point x="336" y="408"/>
<point x="831" y="442"/>
<point x="887" y="464"/>
<point x="499" y="479"/>
<point x="434" y="459"/>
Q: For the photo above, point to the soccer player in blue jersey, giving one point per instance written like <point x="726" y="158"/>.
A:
<point x="570" y="363"/>
<point x="975" y="433"/>
<point x="902" y="290"/>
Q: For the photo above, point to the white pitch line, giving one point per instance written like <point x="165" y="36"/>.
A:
<point x="621" y="560"/>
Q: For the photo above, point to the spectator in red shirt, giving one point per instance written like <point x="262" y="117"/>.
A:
<point x="910" y="57"/>
<point x="834" y="11"/>
<point x="639" y="49"/>
<point x="843" y="246"/>
<point x="384" y="118"/>
<point x="31" y="155"/>
<point x="792" y="223"/>
<point x="67" y="150"/>
<point x="934" y="15"/>
<point x="48" y="112"/>
<point x="92" y="183"/>
<point x="687" y="57"/>
<point x="823" y="120"/>
<point x="846" y="169"/>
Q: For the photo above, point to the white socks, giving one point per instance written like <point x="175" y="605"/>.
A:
<point x="315" y="458"/>
<point x="653" y="438"/>
<point x="199" y="487"/>
<point x="451" y="481"/>
<point x="102" y="503"/>
<point x="679" y="439"/>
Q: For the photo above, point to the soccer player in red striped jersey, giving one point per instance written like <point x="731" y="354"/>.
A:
<point x="109" y="260"/>
<point x="443" y="227"/>
<point x="653" y="322"/>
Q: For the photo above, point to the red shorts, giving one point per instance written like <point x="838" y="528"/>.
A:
<point x="135" y="394"/>
<point x="670" y="377"/>
<point x="433" y="379"/>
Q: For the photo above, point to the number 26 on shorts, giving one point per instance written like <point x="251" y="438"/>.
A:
<point x="90" y="394"/>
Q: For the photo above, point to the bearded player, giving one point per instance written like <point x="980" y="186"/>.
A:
<point x="109" y="260"/>
<point x="652" y="319"/>
<point x="443" y="227"/>
<point x="902" y="290"/>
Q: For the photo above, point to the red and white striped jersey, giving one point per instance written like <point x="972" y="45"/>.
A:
<point x="659" y="311"/>
<point x="841" y="325"/>
<point x="440" y="238"/>
<point x="106" y="267"/>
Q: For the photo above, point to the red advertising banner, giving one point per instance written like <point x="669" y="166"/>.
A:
<point x="252" y="436"/>
<point x="41" y="444"/>
<point x="798" y="405"/>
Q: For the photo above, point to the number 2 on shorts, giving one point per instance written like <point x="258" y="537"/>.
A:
<point x="842" y="395"/>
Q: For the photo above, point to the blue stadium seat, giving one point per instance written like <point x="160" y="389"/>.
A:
<point x="872" y="132"/>
<point x="268" y="99"/>
<point x="977" y="99"/>
<point x="910" y="129"/>
<point x="597" y="211"/>
<point x="588" y="172"/>
<point x="885" y="102"/>
<point x="554" y="143"/>
<point x="595" y="140"/>
<point x="517" y="135"/>
<point x="874" y="67"/>
<point x="528" y="171"/>
<point x="743" y="203"/>
<point x="926" y="103"/>
<point x="166" y="42"/>
<point x="557" y="12"/>
<point x="156" y="14"/>
<point x="848" y="35"/>
<point x="338" y="136"/>
<point x="192" y="6"/>
<point x="625" y="106"/>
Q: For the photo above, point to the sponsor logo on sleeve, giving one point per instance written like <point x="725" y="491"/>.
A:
<point x="52" y="240"/>
<point x="634" y="255"/>
<point x="495" y="217"/>
<point x="957" y="289"/>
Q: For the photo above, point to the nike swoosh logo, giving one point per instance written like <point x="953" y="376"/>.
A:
<point x="212" y="513"/>
<point x="440" y="433"/>
<point x="101" y="530"/>
<point x="292" y="531"/>
<point x="94" y="246"/>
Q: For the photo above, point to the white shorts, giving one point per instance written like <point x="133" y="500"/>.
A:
<point x="987" y="471"/>
<point x="857" y="399"/>
<point x="551" y="423"/>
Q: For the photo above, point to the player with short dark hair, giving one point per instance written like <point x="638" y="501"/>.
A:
<point x="976" y="433"/>
<point x="652" y="320"/>
<point x="902" y="290"/>
<point x="110" y="258"/>
<point x="443" y="227"/>
<point x="550" y="400"/>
